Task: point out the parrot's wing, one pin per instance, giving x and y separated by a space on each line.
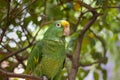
34 58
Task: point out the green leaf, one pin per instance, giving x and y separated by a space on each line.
96 55
96 76
100 2
53 11
104 74
19 33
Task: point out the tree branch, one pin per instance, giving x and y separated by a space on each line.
10 74
14 53
76 57
87 6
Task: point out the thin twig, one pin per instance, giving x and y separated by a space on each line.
61 3
3 52
104 52
78 21
45 6
87 6
90 64
19 59
8 10
7 21
108 7
69 56
30 3
5 47
102 42
24 31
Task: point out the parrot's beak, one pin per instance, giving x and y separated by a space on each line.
66 30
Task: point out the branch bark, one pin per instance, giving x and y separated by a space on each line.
10 74
14 53
76 57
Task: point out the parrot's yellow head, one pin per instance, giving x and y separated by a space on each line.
65 23
66 26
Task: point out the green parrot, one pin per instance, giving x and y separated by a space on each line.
48 55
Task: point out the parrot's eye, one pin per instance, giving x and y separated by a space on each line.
58 25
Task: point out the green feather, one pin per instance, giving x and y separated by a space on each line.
48 55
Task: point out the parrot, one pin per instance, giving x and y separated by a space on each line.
48 55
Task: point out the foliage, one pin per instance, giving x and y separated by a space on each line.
21 25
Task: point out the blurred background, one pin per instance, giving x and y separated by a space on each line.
21 25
